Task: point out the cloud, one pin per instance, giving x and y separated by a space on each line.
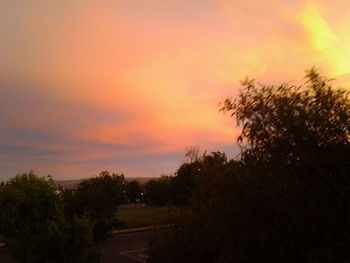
87 83
22 150
329 43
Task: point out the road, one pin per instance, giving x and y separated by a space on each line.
122 248
125 248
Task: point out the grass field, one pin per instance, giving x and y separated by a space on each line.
140 216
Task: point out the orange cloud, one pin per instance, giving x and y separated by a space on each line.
148 75
332 44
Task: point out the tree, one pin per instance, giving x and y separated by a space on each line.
98 198
292 123
192 153
296 143
33 223
195 176
287 197
194 226
184 183
157 191
134 192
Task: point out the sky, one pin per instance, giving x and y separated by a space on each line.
127 85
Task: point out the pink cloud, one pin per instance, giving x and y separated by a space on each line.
148 75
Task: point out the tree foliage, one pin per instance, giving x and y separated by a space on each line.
134 192
192 153
287 197
157 191
34 226
98 199
291 123
192 177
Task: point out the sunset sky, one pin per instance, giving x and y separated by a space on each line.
127 85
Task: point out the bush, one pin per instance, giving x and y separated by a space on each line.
34 227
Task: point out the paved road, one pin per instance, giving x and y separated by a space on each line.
125 248
122 248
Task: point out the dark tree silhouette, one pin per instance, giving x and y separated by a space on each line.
133 192
98 198
287 197
289 123
157 191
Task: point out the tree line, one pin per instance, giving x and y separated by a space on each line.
41 221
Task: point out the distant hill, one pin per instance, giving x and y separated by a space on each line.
69 184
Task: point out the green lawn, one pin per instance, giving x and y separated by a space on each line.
140 216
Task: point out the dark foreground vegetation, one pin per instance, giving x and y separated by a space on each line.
41 221
285 198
